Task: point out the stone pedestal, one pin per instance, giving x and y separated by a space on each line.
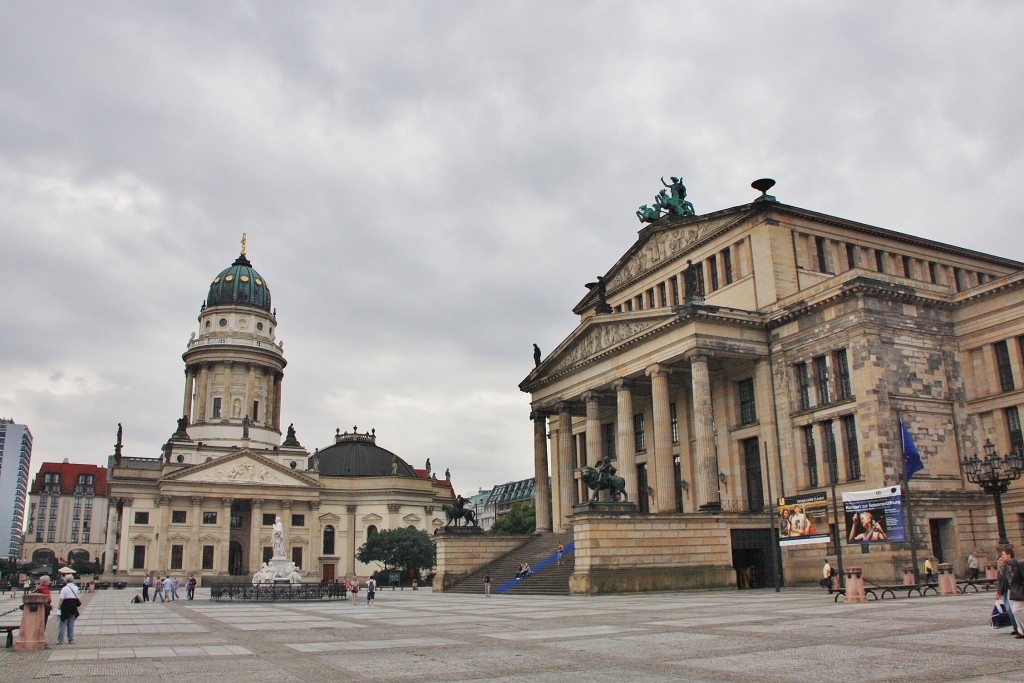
458 531
991 571
908 576
947 580
32 634
606 506
854 586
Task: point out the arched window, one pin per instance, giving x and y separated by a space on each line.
328 540
44 556
413 527
78 556
371 530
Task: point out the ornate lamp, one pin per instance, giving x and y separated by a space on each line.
994 474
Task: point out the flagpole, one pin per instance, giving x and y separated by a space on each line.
908 515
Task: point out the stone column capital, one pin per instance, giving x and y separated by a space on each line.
539 414
697 356
313 504
227 502
163 500
622 384
657 370
257 503
394 507
351 509
126 502
197 500
286 504
429 509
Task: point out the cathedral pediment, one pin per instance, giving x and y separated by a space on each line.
596 338
243 468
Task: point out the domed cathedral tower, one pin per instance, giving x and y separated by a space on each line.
233 370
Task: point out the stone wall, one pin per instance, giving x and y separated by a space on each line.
460 556
626 552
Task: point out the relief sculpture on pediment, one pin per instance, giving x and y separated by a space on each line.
247 472
660 247
601 338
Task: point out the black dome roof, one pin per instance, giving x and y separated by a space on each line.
358 455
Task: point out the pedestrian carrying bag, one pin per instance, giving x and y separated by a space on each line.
1000 619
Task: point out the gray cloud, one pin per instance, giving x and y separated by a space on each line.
426 187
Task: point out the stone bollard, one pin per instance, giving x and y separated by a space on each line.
908 576
947 580
991 571
32 633
854 587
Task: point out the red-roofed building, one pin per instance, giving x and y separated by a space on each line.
67 514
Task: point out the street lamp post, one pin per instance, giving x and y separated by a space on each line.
994 474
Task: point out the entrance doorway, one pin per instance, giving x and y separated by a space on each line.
941 531
235 559
328 572
642 501
751 557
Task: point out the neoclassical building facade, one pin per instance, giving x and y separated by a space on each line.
207 505
732 358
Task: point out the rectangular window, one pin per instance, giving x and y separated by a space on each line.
812 456
674 288
824 380
650 298
713 269
957 277
177 553
608 439
139 557
842 365
298 520
748 409
142 518
85 537
933 273
1003 363
268 518
1013 426
851 256
178 517
674 422
752 465
677 470
216 406
207 557
819 248
727 265
74 537
906 267
297 557
852 452
268 553
639 438
803 377
255 411
236 520
879 261
662 292
209 518
830 451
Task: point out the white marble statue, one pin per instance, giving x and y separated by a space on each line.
278 538
266 574
291 572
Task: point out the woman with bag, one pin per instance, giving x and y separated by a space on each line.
68 606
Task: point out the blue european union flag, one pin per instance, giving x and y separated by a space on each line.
911 456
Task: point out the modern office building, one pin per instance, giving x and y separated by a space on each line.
15 456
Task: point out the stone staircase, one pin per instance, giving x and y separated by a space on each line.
548 578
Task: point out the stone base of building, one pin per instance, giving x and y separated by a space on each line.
459 531
606 506
636 579
458 556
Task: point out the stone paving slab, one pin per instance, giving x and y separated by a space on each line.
417 637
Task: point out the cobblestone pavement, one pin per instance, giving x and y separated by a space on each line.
412 636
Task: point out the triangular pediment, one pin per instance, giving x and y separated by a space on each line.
329 518
371 519
242 468
599 335
412 519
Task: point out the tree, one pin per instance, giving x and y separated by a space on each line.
408 549
521 519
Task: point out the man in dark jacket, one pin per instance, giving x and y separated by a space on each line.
1010 585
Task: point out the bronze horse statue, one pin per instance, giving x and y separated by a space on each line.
455 513
616 486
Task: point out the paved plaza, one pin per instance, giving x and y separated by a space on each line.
412 636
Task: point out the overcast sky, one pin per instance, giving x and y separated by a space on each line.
427 186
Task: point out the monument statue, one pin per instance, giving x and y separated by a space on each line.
603 478
458 510
536 355
602 294
692 283
278 538
245 427
672 201
447 474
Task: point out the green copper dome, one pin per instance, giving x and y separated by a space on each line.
239 285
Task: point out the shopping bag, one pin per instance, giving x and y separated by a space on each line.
1000 619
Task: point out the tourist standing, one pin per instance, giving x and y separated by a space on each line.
487 584
558 556
972 566
158 589
929 569
371 591
826 575
174 587
147 581
354 589
68 605
43 588
190 587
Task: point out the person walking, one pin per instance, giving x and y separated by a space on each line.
1003 588
158 589
558 556
174 587
826 575
190 587
1015 588
147 581
371 591
487 584
68 606
972 566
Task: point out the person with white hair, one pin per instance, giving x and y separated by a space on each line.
68 606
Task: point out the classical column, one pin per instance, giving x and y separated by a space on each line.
225 562
286 519
125 558
350 541
624 442
250 393
163 510
255 524
108 560
593 428
203 391
542 496
566 480
706 492
277 402
315 542
186 408
271 408
393 510
196 516
664 467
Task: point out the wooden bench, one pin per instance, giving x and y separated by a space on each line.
971 585
10 633
841 593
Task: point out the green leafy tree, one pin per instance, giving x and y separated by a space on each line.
521 519
409 549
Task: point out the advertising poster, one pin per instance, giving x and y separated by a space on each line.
874 516
804 519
